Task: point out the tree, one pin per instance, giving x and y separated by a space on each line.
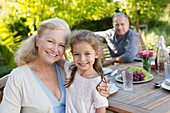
22 17
142 11
75 12
7 49
72 11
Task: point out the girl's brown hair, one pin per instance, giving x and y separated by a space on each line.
89 37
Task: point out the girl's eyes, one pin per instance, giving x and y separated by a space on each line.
87 53
79 54
76 54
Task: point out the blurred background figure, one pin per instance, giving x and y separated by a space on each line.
123 43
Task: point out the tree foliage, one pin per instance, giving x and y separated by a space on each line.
142 11
72 11
7 49
24 16
20 18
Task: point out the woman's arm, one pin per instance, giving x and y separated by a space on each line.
11 102
101 110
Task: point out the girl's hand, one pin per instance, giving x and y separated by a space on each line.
104 88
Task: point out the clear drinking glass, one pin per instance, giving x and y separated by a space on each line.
127 80
167 70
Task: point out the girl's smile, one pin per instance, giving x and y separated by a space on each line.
84 56
83 64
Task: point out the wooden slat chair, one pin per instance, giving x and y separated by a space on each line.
1 95
3 81
142 45
106 53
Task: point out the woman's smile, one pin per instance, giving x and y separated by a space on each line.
51 54
51 45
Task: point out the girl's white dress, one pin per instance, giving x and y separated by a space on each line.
82 96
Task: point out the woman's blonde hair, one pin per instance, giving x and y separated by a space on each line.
78 36
28 51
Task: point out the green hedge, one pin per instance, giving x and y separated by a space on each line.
4 69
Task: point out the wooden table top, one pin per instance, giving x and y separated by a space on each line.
144 98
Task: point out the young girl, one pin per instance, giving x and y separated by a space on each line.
84 75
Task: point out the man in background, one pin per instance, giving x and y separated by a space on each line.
123 43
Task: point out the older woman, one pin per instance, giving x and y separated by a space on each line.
36 86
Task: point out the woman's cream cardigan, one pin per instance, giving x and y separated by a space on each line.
23 94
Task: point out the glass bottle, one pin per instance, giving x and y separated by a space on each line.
157 44
156 59
169 58
162 56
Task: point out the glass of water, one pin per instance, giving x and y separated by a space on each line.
127 80
167 70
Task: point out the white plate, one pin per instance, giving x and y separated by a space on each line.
117 78
113 88
138 59
165 86
107 70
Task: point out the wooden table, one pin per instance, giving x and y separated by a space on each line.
144 98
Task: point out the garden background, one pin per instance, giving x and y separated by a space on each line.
19 19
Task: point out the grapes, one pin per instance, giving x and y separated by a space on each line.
139 74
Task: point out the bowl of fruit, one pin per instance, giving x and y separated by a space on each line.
140 75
